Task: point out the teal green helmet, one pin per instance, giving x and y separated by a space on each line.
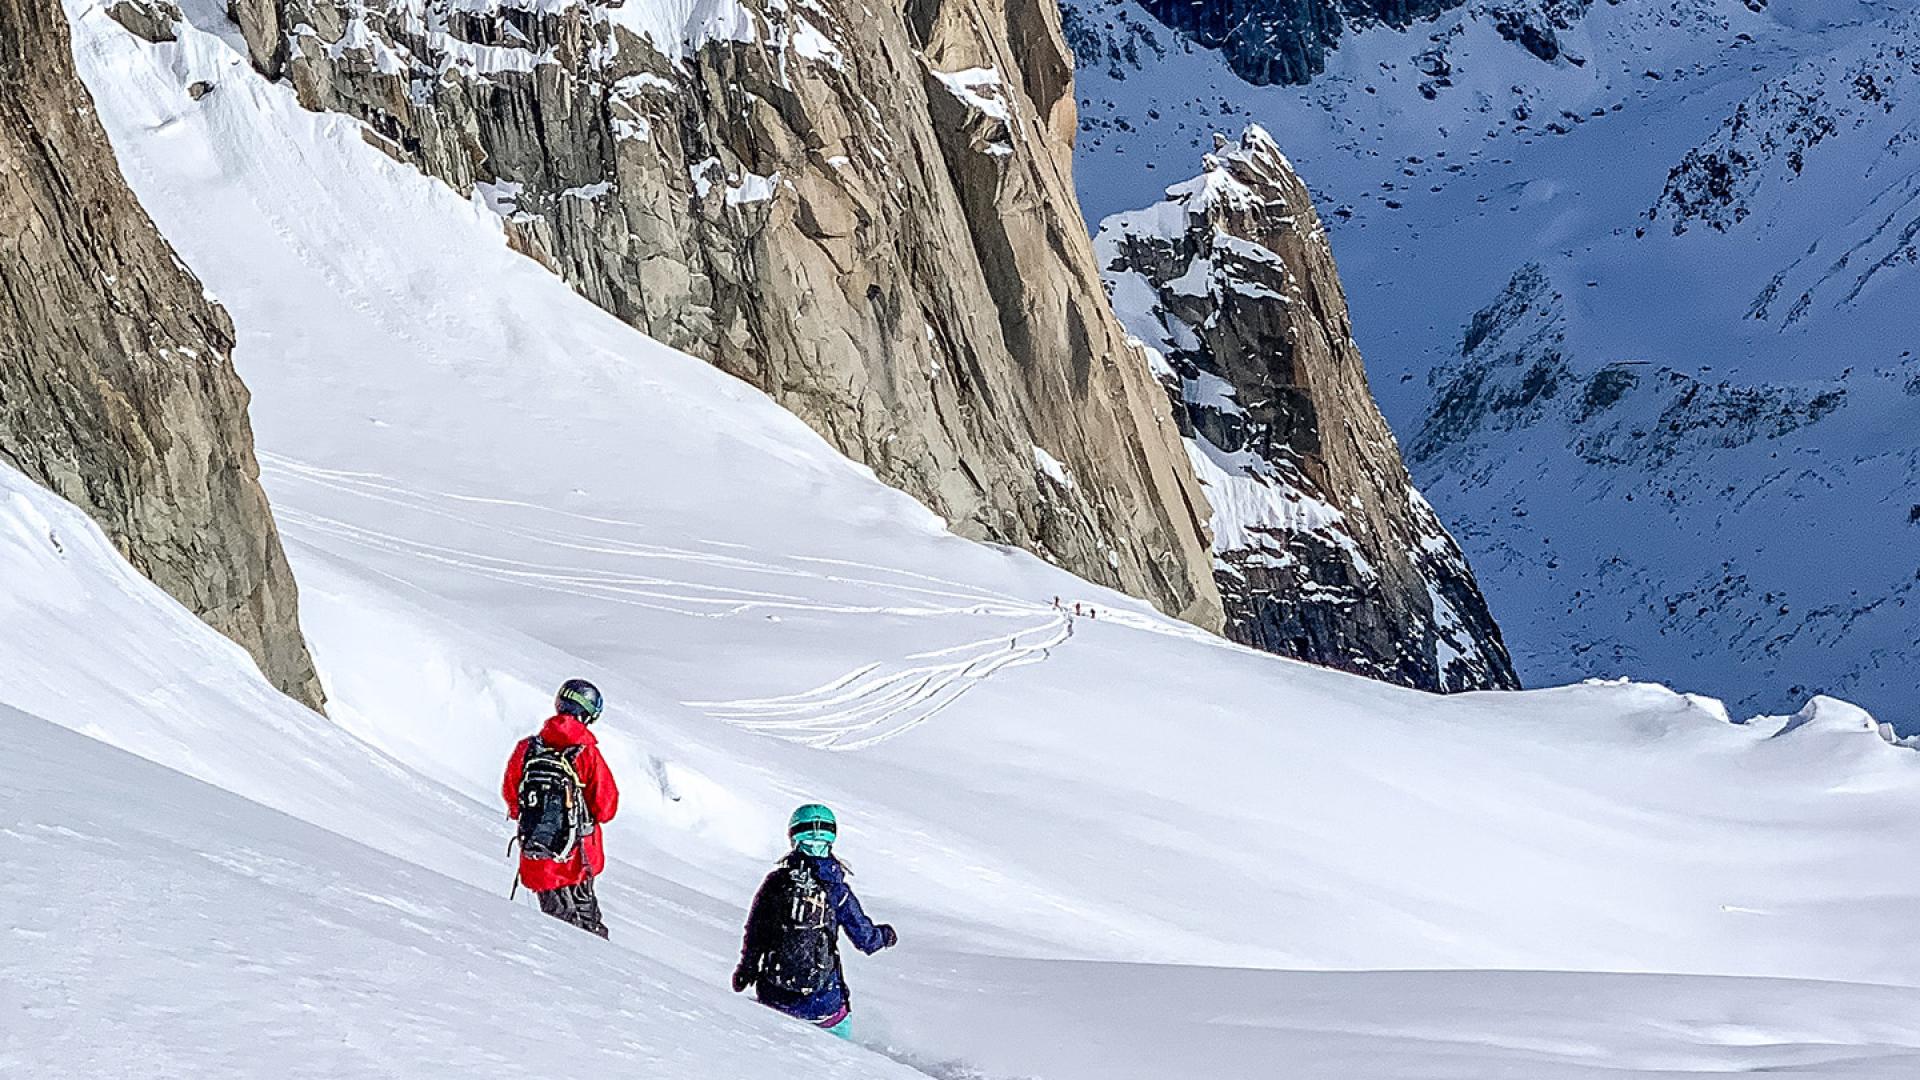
812 829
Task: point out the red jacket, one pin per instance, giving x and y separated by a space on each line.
603 801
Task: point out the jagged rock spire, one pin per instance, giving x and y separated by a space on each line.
1324 550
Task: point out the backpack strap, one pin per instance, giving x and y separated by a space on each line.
571 756
563 756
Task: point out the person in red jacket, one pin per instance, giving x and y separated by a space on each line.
565 885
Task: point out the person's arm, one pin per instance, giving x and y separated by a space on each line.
867 936
603 795
753 943
510 785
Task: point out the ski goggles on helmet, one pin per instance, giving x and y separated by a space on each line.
812 830
581 704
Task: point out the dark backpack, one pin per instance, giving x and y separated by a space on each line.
553 803
804 956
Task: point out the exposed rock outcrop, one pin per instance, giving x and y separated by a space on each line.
1513 373
1284 41
1856 104
1325 550
116 386
865 212
1288 41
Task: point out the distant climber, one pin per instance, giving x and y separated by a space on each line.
560 791
791 955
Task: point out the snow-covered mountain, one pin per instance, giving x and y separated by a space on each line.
1637 307
1115 846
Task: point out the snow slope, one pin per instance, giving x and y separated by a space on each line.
195 933
221 939
1693 460
1114 847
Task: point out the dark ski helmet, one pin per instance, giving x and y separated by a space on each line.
579 698
812 829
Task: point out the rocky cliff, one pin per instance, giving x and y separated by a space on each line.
1325 551
1289 41
1283 41
867 213
116 387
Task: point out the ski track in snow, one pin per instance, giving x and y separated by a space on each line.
862 708
872 704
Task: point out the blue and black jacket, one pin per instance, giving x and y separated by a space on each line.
764 926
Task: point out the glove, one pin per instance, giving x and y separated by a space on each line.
742 978
888 939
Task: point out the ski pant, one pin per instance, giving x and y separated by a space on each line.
575 904
840 1026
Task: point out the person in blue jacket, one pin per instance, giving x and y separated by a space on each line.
791 953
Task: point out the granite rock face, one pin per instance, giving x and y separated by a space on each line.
865 212
1325 551
117 390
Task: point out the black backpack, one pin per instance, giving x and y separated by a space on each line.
553 803
804 957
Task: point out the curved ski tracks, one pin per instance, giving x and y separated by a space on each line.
863 708
878 702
